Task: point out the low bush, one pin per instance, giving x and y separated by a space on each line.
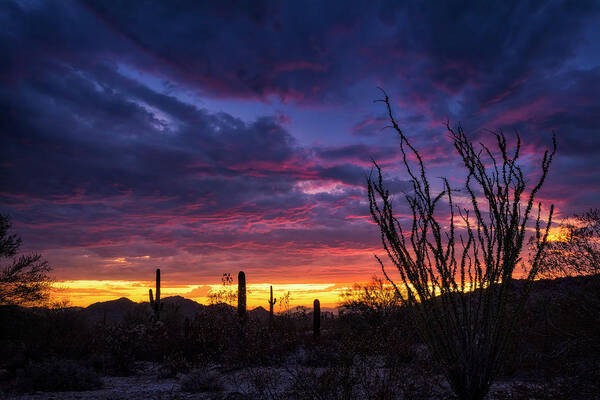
202 380
58 376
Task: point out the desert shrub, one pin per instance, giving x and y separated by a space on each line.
14 355
58 376
211 334
361 331
559 337
172 365
365 378
117 347
582 384
338 382
202 380
66 334
378 382
319 355
265 383
34 334
376 300
268 346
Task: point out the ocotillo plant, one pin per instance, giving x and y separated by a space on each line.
242 295
156 304
272 302
457 266
316 318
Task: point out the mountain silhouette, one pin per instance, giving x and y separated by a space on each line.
116 311
111 311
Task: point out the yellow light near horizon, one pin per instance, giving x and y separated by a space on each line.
85 292
558 235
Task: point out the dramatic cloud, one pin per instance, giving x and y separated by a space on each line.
211 137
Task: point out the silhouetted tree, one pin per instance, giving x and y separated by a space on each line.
376 296
285 303
225 294
456 267
24 279
576 248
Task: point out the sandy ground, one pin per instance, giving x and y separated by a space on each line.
145 385
116 388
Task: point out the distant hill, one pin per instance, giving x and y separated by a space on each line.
111 311
259 313
186 307
115 311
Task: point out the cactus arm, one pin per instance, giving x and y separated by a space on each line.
272 302
155 303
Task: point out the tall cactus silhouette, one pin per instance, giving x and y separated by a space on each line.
316 318
272 302
242 314
242 294
156 304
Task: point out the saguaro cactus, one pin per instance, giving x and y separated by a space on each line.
156 304
272 302
242 294
316 318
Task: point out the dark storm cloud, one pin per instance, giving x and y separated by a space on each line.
309 51
101 160
75 132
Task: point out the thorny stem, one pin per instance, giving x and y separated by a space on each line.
460 290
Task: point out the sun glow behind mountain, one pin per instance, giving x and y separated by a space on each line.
85 292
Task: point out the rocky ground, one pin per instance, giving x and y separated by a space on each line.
116 388
144 386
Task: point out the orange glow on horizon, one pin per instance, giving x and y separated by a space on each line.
558 234
82 293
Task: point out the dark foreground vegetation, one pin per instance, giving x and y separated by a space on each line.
368 351
455 324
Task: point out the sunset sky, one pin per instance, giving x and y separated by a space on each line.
211 137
